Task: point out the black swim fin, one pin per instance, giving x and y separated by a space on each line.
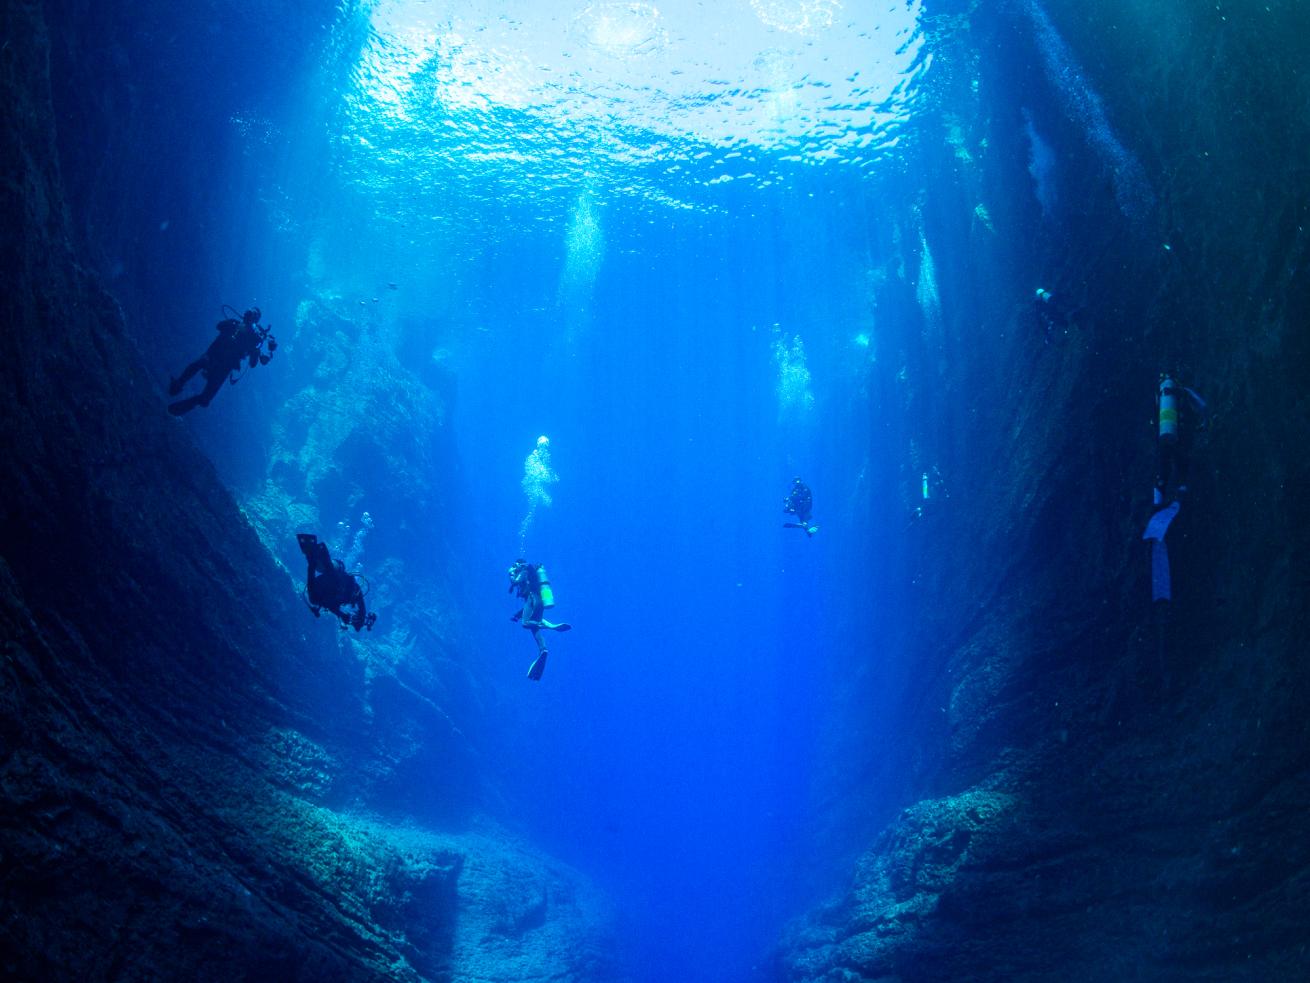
538 667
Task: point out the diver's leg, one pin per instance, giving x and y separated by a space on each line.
539 664
213 383
320 559
184 405
1163 467
1182 465
175 385
314 594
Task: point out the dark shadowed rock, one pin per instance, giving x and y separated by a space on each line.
180 755
1096 789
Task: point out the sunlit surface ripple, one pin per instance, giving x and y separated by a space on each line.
658 101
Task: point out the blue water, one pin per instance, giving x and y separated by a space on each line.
652 236
670 748
634 237
694 248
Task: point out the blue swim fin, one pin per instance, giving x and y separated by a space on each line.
1159 524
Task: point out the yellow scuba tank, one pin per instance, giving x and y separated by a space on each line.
1168 410
547 595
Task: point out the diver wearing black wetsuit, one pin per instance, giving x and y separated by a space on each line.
237 342
328 585
800 503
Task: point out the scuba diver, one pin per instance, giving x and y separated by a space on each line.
238 341
931 490
529 582
800 503
1052 313
328 585
1180 414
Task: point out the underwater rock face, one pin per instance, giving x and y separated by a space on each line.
1081 785
179 754
363 405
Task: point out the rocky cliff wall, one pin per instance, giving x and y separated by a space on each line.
185 765
1089 787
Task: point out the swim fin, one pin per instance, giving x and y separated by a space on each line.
1159 524
538 667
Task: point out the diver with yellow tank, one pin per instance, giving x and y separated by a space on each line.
1180 413
530 582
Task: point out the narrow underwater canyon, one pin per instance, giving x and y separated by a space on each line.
1027 769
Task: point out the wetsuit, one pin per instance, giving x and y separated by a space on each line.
237 342
800 503
525 582
1174 447
328 585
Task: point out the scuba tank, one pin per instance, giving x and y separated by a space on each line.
543 586
1168 401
